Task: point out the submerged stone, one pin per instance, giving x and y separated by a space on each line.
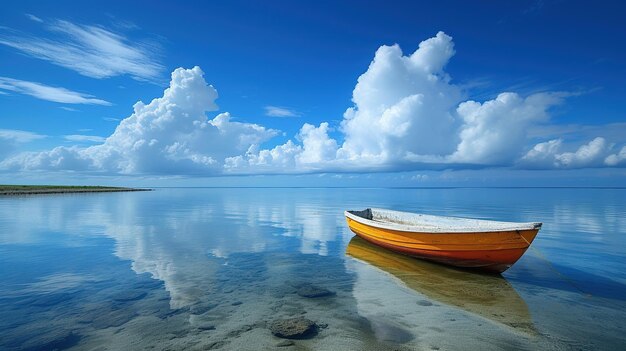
293 328
312 291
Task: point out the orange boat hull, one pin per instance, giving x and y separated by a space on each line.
489 251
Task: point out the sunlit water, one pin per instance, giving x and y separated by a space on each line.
210 268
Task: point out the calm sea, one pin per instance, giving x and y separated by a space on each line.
212 268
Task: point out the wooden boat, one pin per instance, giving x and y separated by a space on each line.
488 296
463 242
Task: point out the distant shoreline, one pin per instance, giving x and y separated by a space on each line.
9 190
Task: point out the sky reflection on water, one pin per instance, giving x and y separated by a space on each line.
200 268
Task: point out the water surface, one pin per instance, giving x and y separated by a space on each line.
209 268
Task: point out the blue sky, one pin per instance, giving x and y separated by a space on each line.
313 93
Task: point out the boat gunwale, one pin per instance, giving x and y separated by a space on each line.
443 229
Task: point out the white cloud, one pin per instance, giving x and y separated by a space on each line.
84 138
317 153
595 153
10 138
46 92
542 155
407 115
280 159
616 159
170 135
495 132
92 51
588 155
406 111
403 108
19 136
276 111
317 147
33 17
59 158
403 105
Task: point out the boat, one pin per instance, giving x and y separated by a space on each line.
491 297
487 245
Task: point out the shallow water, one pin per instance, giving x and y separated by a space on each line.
208 268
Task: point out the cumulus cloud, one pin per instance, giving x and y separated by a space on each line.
280 159
403 106
495 132
407 114
542 155
46 92
617 158
276 111
317 147
595 153
318 152
588 155
170 135
92 51
60 158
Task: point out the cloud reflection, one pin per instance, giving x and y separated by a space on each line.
182 243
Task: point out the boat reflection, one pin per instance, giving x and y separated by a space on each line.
488 296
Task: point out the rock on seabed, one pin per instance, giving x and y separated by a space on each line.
293 328
312 291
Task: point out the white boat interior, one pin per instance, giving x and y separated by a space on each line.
423 223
